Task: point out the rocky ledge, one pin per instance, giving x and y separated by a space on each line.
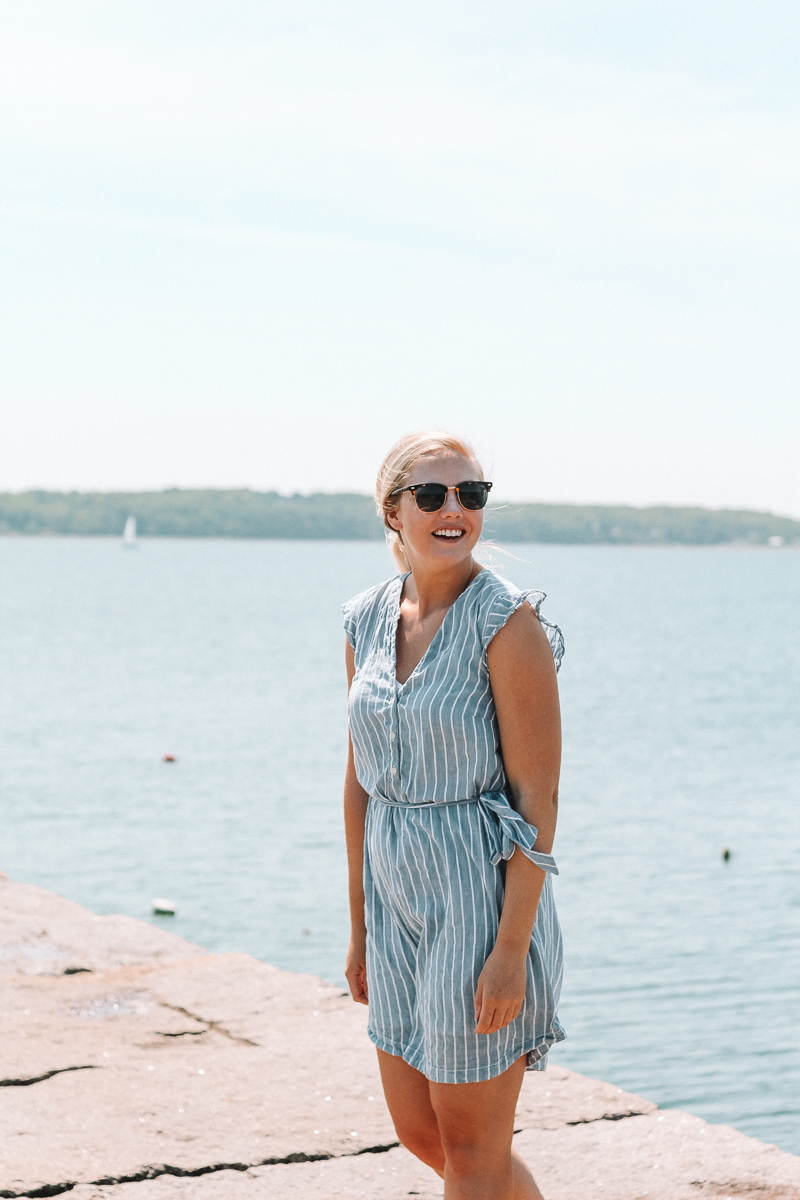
136 1066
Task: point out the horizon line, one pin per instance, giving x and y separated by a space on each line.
494 505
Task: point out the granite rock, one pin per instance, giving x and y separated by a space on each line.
659 1156
42 933
164 1072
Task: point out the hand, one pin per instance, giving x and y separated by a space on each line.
355 970
500 993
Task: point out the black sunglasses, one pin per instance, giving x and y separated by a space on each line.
472 494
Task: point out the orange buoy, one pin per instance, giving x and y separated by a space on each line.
168 758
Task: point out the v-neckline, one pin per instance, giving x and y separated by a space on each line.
395 626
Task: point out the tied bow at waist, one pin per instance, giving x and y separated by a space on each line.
505 827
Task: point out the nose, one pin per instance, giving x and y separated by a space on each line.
451 504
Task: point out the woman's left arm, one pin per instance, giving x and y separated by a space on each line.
525 693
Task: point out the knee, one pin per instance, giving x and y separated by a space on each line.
423 1142
468 1156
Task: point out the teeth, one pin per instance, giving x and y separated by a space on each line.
448 533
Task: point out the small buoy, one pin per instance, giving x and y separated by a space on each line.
164 908
168 758
305 932
726 854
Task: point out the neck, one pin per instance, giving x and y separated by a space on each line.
435 588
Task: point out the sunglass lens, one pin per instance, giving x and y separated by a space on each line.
473 495
430 496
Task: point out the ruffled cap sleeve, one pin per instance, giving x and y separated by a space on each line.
504 604
350 613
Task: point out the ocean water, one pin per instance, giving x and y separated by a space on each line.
681 701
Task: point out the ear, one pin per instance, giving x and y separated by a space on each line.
394 521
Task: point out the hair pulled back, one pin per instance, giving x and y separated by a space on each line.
396 468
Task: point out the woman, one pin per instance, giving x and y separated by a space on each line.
455 940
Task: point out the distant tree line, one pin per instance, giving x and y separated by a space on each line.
242 513
602 523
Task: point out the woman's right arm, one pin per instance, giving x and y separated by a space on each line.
355 815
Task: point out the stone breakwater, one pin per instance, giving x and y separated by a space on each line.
136 1066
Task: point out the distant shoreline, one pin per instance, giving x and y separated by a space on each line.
762 547
348 516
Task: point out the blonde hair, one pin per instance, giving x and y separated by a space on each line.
396 468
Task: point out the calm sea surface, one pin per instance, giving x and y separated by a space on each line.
681 698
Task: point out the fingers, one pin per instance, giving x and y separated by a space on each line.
491 1014
492 1017
499 992
357 981
358 993
478 1002
485 1021
487 1012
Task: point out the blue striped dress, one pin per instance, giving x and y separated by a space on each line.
439 827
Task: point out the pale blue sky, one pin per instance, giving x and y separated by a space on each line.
252 243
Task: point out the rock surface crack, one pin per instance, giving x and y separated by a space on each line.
299 1156
618 1116
216 1025
26 1080
183 1033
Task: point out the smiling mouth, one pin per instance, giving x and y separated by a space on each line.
450 535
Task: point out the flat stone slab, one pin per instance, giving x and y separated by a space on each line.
661 1156
557 1097
148 1073
42 933
390 1176
217 1077
667 1155
217 1059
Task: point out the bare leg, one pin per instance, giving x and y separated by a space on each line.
407 1093
462 1131
476 1125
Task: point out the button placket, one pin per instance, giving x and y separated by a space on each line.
396 740
394 709
395 735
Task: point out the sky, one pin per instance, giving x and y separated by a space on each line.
252 242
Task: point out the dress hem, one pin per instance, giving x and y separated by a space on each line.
475 1074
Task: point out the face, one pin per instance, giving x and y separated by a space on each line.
447 537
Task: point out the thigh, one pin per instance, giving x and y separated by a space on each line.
478 1114
408 1096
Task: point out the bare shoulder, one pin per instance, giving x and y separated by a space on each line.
522 632
520 654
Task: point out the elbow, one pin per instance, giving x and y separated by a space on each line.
539 806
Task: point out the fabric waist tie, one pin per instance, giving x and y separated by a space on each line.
505 827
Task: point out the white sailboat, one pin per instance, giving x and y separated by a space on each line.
129 533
